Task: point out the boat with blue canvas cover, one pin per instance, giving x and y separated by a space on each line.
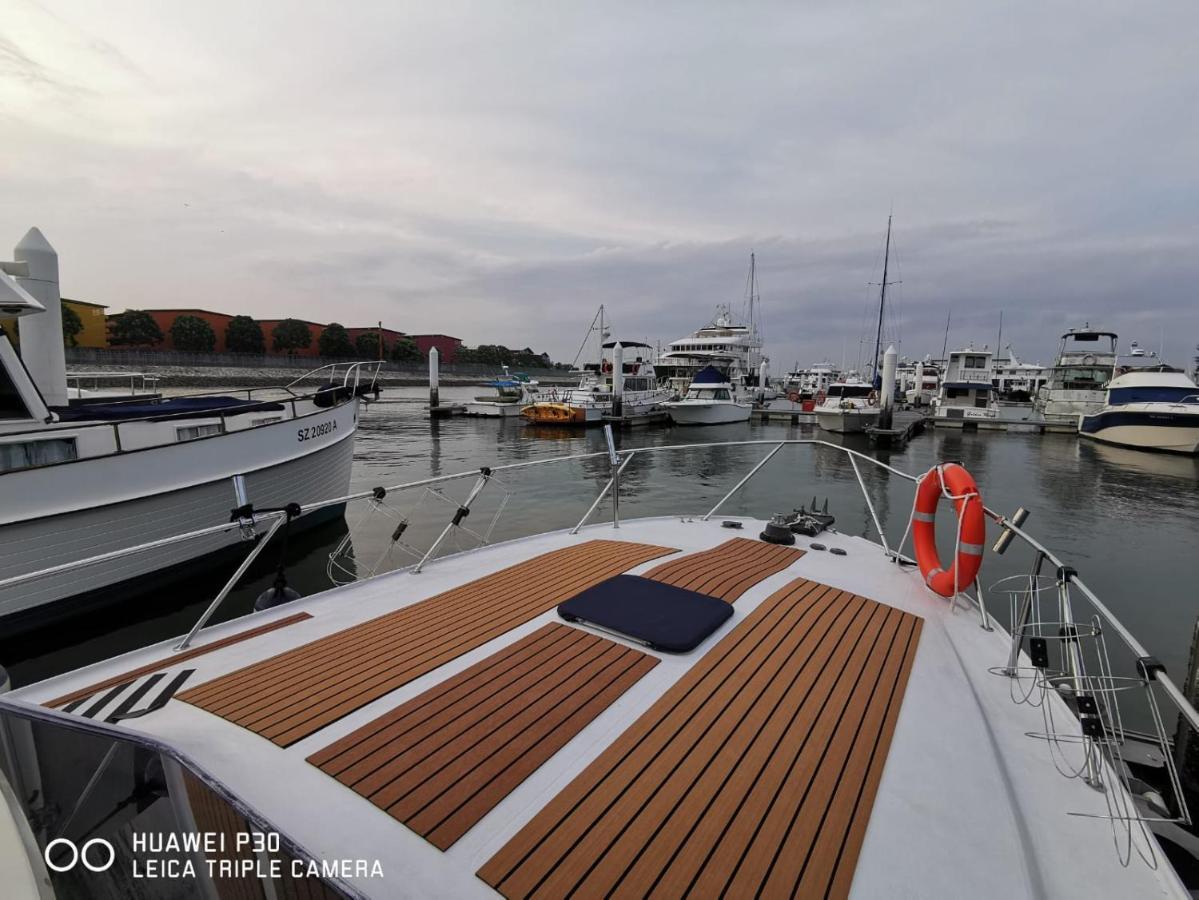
710 400
1149 409
512 391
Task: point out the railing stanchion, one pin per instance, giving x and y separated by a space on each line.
1022 617
870 505
614 463
462 513
232 582
740 484
602 494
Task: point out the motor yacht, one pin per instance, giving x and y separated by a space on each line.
709 400
966 398
1086 362
1153 408
698 704
82 479
850 406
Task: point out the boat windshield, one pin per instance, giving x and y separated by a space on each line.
1082 378
708 394
850 390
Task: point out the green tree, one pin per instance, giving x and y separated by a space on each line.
136 328
405 350
335 341
193 334
366 345
291 335
71 326
244 335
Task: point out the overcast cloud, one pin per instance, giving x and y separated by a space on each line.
495 171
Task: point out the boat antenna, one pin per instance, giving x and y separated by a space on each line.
999 340
882 302
945 345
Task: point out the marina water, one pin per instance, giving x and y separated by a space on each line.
1126 519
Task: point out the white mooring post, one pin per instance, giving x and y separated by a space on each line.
434 357
41 335
618 380
762 375
919 383
887 398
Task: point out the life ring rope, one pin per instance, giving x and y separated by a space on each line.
971 523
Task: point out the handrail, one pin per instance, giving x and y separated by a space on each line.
1173 692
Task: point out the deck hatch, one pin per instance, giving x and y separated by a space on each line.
755 774
292 695
444 759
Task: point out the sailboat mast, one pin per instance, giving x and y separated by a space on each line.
882 302
753 328
945 345
999 340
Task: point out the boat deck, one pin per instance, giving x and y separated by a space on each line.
840 735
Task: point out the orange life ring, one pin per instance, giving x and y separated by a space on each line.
606 366
793 396
957 482
872 398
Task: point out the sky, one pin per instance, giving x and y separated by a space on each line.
496 171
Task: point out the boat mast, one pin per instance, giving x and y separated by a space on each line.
882 302
945 344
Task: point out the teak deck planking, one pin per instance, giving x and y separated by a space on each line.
443 760
292 695
182 656
756 772
726 571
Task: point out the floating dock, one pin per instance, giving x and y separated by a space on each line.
445 410
657 417
905 424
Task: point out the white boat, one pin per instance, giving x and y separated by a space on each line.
849 407
709 401
919 383
1086 361
1015 381
597 392
966 396
1154 408
512 393
733 347
84 480
808 720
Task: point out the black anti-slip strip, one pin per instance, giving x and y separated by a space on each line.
105 700
75 704
129 702
160 701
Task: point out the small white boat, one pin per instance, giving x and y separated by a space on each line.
849 407
709 401
1148 409
594 397
512 392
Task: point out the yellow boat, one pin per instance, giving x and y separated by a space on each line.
555 414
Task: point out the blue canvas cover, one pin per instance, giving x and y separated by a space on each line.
662 616
710 375
178 408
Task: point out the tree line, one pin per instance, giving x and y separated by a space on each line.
244 335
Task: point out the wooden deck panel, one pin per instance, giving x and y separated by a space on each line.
213 815
290 696
756 771
728 570
443 760
182 656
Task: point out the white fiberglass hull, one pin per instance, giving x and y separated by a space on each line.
845 421
492 409
114 502
685 412
1172 430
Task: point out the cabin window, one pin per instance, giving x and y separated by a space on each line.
980 400
266 421
975 362
11 404
191 432
26 454
954 393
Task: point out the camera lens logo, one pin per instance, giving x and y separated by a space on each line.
92 854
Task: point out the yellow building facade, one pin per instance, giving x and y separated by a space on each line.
94 332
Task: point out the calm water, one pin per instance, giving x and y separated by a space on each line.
1128 521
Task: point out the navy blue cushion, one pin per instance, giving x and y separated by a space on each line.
658 615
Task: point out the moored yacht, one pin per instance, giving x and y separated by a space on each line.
599 387
1086 361
709 401
966 397
919 383
512 392
699 704
850 406
1154 408
84 479
1016 381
